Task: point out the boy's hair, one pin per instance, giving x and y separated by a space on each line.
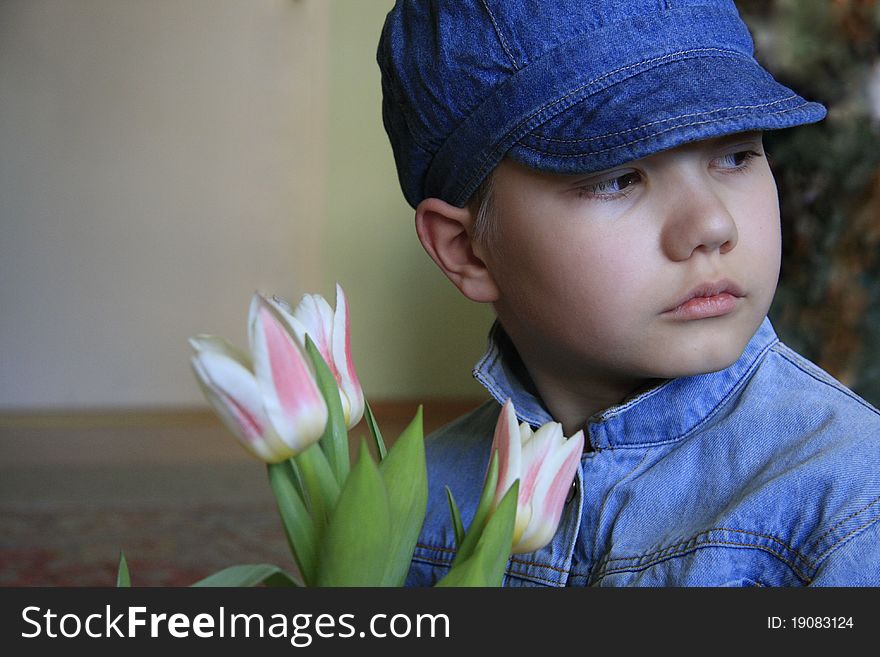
482 204
569 86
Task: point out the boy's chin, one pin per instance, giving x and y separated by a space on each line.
710 348
704 361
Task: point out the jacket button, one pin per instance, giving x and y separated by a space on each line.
572 491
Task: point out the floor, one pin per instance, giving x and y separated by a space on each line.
171 489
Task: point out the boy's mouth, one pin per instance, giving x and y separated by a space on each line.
707 300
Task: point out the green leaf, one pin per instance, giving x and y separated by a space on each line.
406 480
486 564
334 442
123 579
374 431
298 526
356 546
249 575
319 483
457 525
484 506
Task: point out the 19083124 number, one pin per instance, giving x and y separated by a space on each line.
821 622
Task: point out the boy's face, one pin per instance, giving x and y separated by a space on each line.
594 272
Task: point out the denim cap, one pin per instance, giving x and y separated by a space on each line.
566 86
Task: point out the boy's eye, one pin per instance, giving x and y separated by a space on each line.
611 188
738 160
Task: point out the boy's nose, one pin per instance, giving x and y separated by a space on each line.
698 221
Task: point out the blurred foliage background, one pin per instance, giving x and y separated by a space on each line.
827 305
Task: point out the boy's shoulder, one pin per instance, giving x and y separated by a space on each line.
827 461
808 377
801 401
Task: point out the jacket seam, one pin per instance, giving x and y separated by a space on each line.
635 568
438 548
657 553
849 517
535 578
535 564
855 531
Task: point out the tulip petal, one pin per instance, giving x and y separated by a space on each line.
256 304
285 315
551 490
316 316
215 343
234 394
344 364
329 330
313 316
290 395
507 442
535 452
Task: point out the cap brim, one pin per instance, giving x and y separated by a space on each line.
661 108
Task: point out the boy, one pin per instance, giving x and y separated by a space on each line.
595 170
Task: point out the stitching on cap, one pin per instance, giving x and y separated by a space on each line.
480 169
537 135
500 35
653 134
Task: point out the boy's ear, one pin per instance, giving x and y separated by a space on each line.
445 233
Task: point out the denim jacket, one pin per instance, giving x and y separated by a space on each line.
766 473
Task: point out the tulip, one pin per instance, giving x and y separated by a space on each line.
268 399
545 462
329 331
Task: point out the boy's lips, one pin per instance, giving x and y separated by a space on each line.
707 300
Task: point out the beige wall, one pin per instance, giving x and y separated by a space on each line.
163 159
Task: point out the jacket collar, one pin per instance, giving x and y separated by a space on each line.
665 413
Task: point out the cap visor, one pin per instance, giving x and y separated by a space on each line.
661 108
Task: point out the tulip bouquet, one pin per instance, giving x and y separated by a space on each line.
291 402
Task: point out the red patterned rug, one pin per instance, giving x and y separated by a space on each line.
50 545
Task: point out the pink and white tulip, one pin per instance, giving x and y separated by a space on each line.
268 399
545 462
329 331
